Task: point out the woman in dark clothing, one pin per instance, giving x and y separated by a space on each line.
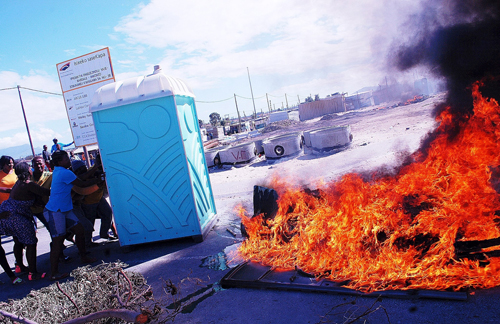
6 267
20 224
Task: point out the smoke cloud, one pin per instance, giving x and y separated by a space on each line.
460 42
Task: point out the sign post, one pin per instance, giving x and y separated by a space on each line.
80 78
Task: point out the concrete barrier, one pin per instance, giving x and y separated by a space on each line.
282 145
259 149
328 138
210 157
242 153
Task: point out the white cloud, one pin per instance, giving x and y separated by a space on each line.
206 42
126 62
113 37
40 108
70 52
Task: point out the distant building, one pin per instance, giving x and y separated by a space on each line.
329 105
388 93
215 132
421 87
359 100
277 116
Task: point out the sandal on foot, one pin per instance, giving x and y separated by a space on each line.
59 276
17 281
36 275
21 269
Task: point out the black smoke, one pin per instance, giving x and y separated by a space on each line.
460 42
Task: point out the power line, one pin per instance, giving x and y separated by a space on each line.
250 98
198 101
52 93
214 101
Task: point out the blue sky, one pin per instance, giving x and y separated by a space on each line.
297 48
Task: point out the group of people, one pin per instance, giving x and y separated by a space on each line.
65 196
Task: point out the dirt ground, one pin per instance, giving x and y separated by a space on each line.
381 136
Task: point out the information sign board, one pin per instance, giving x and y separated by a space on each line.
80 78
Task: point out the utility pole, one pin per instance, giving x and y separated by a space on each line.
251 91
268 104
286 101
298 99
239 118
26 121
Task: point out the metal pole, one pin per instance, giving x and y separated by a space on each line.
87 158
268 104
26 121
239 118
251 91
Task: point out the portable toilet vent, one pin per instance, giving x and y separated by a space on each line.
152 153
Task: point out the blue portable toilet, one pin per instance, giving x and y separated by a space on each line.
152 152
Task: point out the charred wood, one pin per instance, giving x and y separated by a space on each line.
475 246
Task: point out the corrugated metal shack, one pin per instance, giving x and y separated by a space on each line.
359 100
329 105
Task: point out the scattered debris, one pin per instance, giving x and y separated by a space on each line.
329 117
215 262
231 232
233 258
279 125
98 293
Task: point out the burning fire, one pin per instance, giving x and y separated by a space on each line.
398 232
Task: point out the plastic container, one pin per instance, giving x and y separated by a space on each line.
152 152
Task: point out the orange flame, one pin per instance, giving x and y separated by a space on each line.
397 232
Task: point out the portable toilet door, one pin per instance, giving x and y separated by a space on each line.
152 153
